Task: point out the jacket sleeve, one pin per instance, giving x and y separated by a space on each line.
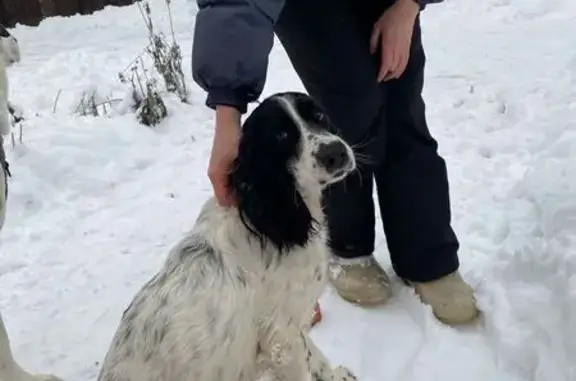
232 41
424 3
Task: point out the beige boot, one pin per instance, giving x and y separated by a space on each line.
360 280
451 299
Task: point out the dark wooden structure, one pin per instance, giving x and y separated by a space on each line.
32 12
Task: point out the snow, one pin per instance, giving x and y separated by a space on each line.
96 202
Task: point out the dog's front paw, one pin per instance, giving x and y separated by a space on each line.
342 373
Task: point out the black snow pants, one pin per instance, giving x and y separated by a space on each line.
327 42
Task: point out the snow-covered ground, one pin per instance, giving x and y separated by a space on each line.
95 203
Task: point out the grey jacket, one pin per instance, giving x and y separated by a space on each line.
232 41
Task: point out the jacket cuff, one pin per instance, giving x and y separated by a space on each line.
226 97
424 3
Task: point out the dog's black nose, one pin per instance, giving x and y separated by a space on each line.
332 156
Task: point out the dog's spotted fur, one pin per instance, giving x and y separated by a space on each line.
235 296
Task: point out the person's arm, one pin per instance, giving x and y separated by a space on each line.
232 41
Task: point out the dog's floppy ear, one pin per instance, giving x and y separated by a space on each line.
268 200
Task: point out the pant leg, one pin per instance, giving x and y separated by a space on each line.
412 182
327 42
332 59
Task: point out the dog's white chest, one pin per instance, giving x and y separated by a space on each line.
290 292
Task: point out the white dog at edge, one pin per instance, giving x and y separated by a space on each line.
9 54
235 296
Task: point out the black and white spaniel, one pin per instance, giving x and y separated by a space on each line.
235 296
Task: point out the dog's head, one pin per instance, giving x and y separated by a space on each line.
9 48
288 154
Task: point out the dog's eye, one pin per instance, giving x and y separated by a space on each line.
282 135
320 116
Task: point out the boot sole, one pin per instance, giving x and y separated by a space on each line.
462 320
370 302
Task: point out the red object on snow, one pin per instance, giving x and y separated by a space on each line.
317 316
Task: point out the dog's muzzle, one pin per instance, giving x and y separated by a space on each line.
333 156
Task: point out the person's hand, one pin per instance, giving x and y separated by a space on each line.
394 32
224 151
